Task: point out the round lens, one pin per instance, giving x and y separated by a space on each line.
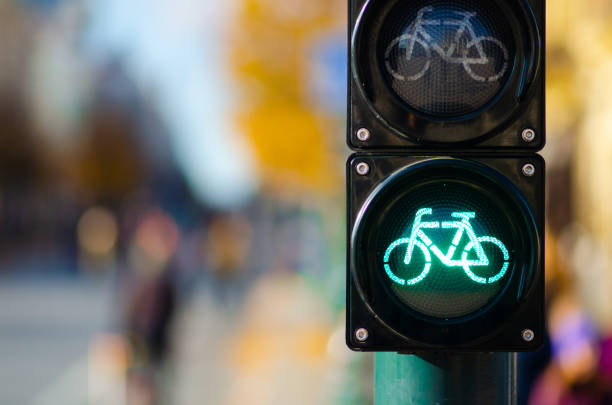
445 249
447 239
446 58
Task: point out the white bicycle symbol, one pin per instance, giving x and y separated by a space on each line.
455 53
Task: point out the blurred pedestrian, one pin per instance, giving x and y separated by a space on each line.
150 305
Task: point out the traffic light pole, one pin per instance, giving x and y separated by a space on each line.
445 379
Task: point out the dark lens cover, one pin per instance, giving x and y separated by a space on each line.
446 58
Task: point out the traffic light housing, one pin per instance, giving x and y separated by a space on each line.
446 74
445 190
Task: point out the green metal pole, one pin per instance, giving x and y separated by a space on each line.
445 379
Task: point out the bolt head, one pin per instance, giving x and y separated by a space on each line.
528 135
529 170
528 335
363 134
362 334
362 168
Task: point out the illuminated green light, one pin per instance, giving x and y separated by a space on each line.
419 239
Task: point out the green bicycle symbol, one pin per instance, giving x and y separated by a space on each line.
419 239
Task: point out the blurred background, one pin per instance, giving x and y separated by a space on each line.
172 205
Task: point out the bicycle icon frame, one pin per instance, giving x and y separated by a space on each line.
419 239
419 35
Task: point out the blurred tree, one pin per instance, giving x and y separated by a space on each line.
587 34
20 162
270 59
111 164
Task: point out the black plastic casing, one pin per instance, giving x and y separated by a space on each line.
529 310
400 136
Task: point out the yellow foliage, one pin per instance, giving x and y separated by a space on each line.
289 144
270 58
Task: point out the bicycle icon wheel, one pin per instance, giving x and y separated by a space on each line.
502 271
395 277
484 68
411 63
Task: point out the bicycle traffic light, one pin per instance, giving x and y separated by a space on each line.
445 190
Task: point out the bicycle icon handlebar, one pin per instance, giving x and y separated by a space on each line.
470 52
419 239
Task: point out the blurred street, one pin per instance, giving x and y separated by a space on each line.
47 345
45 338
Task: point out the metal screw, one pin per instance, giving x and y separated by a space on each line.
529 170
362 168
528 335
363 135
528 135
362 334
